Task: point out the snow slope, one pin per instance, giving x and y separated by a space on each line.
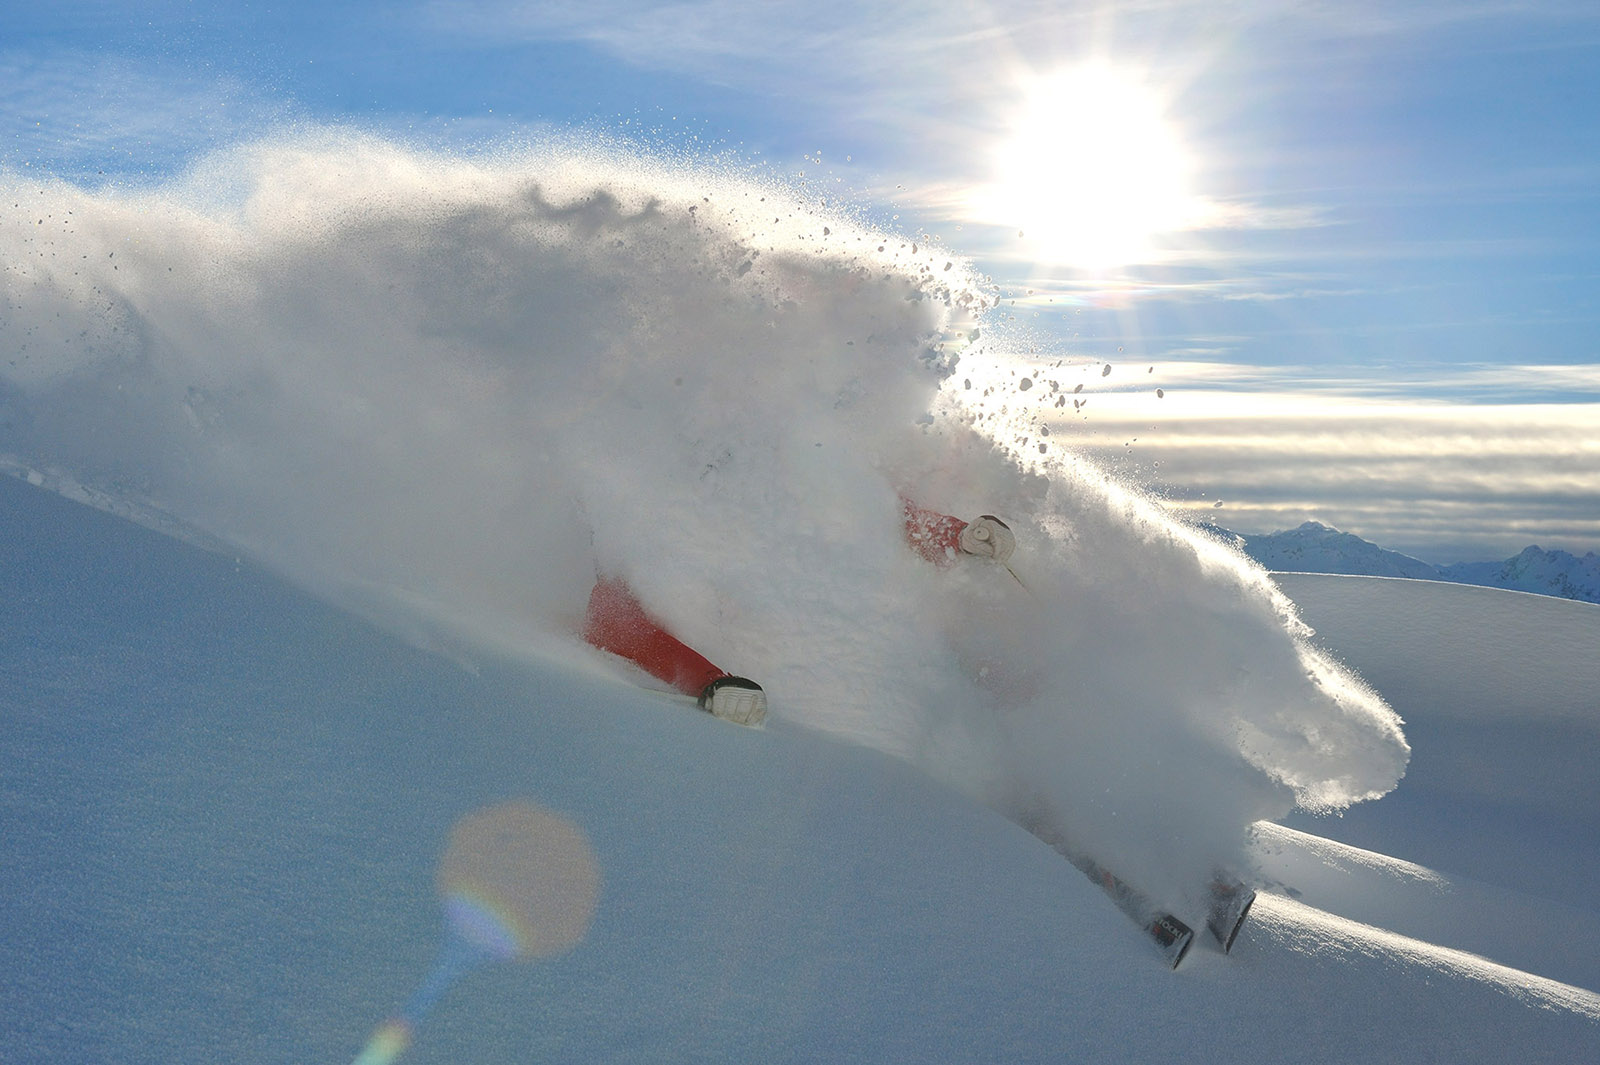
224 803
1501 695
442 393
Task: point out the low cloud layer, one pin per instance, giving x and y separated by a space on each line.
1488 461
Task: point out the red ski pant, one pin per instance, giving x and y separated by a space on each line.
617 622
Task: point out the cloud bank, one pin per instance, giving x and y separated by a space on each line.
1460 464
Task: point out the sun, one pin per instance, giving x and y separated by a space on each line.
1090 171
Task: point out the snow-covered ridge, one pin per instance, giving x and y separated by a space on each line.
1558 573
1317 548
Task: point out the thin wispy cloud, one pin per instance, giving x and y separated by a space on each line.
1446 464
724 41
1499 384
1375 18
947 202
73 111
676 32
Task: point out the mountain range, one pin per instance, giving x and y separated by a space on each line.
1317 548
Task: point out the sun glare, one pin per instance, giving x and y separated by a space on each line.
1091 171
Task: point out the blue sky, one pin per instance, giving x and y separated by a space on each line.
1377 297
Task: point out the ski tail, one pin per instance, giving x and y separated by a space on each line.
1172 936
1231 900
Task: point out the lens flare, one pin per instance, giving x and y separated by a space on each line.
516 882
387 1043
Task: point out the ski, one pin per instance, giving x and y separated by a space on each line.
1172 937
1229 898
1230 902
1230 905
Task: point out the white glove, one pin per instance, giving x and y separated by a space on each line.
988 537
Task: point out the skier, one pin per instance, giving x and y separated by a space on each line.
617 622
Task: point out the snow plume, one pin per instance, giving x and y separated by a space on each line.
1171 697
449 391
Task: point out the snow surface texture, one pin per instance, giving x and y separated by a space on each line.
225 803
447 392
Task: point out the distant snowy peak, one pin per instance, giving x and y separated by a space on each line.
1316 548
1558 573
